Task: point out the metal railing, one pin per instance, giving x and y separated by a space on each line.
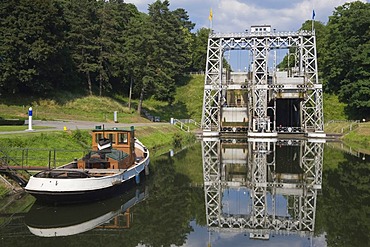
184 124
35 157
352 125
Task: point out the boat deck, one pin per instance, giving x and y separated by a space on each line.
93 170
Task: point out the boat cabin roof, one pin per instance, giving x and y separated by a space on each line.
114 129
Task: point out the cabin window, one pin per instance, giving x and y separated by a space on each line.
98 136
122 138
112 138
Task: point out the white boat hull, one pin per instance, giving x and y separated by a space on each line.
71 190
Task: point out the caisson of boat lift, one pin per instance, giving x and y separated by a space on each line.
263 100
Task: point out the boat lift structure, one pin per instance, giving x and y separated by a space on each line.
263 102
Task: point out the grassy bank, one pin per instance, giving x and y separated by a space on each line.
89 108
359 138
187 103
354 134
64 105
21 127
333 109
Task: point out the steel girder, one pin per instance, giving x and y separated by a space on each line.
312 105
212 87
258 105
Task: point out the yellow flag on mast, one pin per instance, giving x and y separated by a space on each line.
210 15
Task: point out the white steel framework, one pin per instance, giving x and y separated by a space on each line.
261 90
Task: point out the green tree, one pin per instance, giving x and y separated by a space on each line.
199 49
83 38
164 49
138 50
170 47
32 50
346 60
184 40
109 30
115 18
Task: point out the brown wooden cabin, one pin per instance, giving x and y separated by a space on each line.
120 156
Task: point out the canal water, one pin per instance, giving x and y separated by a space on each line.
229 192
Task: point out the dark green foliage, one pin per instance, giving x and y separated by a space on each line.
115 19
346 60
199 49
94 47
170 47
32 49
83 38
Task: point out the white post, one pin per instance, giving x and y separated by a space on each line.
115 117
30 118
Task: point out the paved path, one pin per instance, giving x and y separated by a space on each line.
73 125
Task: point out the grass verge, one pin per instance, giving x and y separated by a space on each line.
88 108
21 127
356 135
359 138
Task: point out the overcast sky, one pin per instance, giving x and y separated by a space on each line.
238 15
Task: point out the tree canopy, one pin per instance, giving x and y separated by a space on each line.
346 57
97 47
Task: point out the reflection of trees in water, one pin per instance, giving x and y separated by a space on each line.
344 207
163 219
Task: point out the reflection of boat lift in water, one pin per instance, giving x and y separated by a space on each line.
269 179
112 214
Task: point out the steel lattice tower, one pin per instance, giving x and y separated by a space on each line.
262 91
